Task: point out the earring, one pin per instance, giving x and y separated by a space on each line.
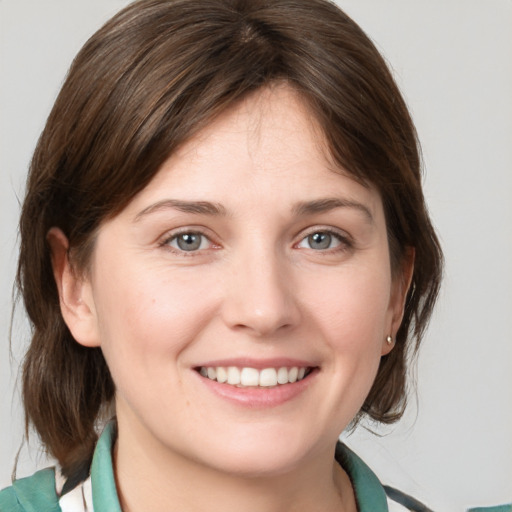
389 340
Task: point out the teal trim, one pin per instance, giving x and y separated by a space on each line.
370 494
104 494
9 501
499 508
35 493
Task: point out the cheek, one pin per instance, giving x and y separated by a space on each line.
352 306
349 311
352 315
146 314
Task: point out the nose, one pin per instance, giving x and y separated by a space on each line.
259 297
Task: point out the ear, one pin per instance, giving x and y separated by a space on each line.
75 292
400 287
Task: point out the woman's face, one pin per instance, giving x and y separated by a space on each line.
249 258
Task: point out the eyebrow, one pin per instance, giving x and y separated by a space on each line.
302 208
331 203
196 207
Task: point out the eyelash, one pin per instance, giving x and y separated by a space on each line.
344 241
166 242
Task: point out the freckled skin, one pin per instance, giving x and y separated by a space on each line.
256 288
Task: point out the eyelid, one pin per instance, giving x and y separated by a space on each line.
164 240
340 233
345 238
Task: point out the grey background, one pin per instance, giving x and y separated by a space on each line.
453 60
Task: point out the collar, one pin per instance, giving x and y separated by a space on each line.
370 495
104 493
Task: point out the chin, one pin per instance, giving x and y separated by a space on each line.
247 464
258 455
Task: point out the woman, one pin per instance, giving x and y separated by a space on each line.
225 248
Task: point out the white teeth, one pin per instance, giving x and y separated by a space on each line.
233 375
282 376
251 377
222 374
268 377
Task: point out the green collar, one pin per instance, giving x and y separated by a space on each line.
32 494
369 492
104 493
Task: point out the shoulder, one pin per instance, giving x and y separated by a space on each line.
8 501
32 494
371 495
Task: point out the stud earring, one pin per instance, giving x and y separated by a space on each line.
389 340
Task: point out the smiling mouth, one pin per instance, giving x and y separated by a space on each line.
251 377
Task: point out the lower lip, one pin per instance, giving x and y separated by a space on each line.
259 397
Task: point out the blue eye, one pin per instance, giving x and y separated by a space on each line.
188 242
321 241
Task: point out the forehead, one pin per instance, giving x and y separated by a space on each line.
268 145
273 116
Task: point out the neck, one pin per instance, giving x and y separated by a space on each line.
149 477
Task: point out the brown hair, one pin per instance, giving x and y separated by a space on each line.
154 75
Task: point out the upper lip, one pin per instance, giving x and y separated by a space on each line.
259 364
